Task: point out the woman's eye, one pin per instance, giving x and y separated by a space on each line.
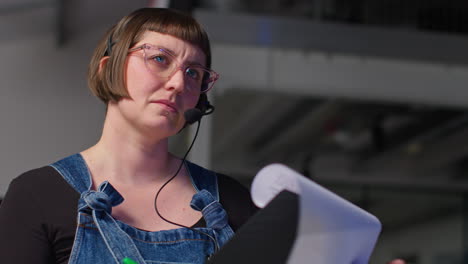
159 59
193 73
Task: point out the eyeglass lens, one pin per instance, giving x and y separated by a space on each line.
163 64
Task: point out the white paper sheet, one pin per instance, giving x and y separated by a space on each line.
331 230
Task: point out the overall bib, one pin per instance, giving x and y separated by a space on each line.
101 239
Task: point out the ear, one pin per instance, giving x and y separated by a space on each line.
102 63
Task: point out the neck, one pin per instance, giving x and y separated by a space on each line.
131 157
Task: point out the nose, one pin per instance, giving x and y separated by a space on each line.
176 81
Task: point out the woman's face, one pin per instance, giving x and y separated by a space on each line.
158 103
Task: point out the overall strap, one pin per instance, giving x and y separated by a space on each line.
99 204
203 179
206 200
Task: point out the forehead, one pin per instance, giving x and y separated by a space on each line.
181 48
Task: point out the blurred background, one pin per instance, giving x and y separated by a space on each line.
366 97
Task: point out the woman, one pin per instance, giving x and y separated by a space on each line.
133 195
150 69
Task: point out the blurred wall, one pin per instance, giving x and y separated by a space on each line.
46 110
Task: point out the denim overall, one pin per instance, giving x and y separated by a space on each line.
101 239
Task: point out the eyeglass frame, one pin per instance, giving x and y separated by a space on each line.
214 76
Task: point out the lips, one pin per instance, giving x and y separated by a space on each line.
169 105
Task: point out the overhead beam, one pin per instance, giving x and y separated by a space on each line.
334 38
316 74
338 60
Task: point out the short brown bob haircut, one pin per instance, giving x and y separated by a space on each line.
109 83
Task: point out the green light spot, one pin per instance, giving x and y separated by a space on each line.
128 261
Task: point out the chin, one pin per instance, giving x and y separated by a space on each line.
166 127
